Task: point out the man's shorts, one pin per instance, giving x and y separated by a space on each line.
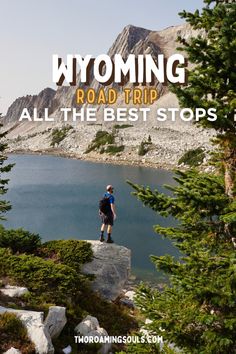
107 219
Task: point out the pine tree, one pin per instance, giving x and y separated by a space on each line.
4 168
211 84
197 309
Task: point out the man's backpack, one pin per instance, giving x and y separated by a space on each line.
104 205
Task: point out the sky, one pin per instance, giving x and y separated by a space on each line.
31 31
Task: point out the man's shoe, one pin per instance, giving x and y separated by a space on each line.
101 239
109 240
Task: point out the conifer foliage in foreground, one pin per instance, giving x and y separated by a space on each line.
198 309
4 168
211 83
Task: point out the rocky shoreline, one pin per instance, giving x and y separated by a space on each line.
95 159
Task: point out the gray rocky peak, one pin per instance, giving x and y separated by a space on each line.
127 39
41 101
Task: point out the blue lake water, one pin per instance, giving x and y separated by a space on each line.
58 198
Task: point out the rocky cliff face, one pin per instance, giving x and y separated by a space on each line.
41 101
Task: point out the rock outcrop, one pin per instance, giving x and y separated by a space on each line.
128 299
111 266
33 321
14 291
13 351
39 332
89 327
41 101
55 321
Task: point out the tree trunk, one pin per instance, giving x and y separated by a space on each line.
229 162
229 180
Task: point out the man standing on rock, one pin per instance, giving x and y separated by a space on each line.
107 213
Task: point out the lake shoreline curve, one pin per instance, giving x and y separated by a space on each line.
96 158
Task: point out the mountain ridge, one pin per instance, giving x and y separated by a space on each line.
169 140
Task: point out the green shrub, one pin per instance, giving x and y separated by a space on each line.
59 134
44 278
102 138
14 334
143 148
72 253
144 348
122 126
113 149
56 277
19 240
95 124
10 323
193 157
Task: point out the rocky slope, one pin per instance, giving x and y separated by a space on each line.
41 101
110 266
169 139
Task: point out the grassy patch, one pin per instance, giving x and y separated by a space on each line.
193 157
14 334
72 253
104 142
112 149
102 138
122 126
59 134
94 124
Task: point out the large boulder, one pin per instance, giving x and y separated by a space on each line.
130 294
12 351
37 333
89 327
14 291
55 321
67 350
128 299
88 324
111 266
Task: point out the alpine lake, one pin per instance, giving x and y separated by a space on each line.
58 198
